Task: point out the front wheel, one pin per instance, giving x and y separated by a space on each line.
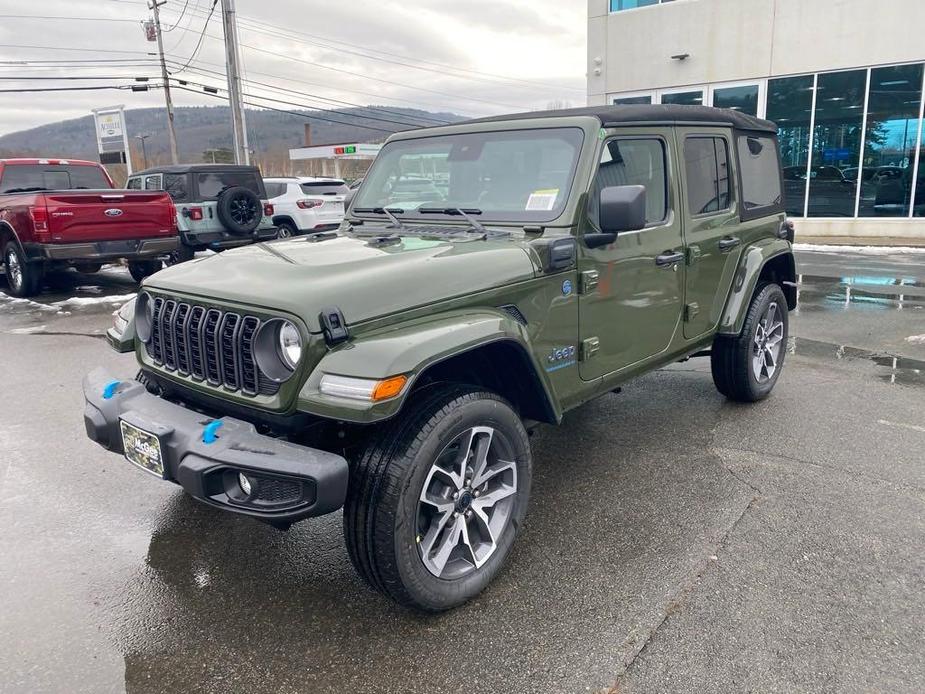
435 502
746 367
286 230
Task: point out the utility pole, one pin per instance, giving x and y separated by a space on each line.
171 133
144 153
235 94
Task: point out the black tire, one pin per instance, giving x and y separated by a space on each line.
381 516
141 269
239 210
183 254
88 268
732 357
23 279
286 230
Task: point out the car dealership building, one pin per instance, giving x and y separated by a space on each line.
843 79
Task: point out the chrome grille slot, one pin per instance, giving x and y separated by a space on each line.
208 344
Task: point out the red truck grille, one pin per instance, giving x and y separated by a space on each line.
209 345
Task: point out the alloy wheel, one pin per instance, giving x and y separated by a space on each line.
466 503
769 335
13 270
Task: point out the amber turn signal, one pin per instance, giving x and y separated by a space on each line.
389 388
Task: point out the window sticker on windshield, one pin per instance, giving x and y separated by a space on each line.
542 200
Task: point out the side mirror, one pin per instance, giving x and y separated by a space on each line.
622 208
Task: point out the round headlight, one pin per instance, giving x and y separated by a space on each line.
144 316
290 344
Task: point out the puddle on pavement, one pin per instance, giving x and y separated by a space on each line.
892 369
861 293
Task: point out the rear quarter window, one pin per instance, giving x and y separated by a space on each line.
760 173
212 184
177 187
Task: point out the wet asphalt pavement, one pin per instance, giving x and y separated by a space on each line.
675 542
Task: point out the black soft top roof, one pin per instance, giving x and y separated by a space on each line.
645 113
196 168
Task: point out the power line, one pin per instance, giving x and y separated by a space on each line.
73 89
81 50
202 35
73 19
179 19
324 42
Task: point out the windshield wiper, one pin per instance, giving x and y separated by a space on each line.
458 212
390 213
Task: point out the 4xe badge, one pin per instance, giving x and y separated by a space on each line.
567 287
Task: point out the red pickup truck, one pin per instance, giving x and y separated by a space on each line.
56 213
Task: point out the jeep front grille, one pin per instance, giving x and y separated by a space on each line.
209 345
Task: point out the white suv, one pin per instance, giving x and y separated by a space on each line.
306 205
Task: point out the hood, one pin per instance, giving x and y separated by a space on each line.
365 281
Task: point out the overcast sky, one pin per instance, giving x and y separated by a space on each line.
538 44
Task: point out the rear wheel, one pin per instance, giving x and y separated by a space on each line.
88 268
24 279
181 255
286 230
436 501
140 269
746 367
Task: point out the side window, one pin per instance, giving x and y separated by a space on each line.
133 184
274 190
760 169
153 182
633 162
706 160
176 187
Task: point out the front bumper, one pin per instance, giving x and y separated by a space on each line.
103 250
292 482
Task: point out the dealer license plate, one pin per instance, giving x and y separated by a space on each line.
142 449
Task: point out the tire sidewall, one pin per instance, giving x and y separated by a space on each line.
426 589
286 230
765 296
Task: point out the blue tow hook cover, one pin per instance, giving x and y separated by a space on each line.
110 389
210 433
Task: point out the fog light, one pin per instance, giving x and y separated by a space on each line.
245 483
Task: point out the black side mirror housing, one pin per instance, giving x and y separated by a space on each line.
622 208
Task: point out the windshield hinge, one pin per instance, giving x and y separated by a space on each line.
334 326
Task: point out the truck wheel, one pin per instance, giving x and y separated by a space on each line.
181 255
436 500
24 279
746 367
140 269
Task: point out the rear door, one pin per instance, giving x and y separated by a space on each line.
631 292
79 216
711 219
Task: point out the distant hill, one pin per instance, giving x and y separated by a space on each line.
270 133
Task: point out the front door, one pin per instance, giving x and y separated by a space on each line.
711 218
632 290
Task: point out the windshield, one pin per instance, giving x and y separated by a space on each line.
518 175
51 177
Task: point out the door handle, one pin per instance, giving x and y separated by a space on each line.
727 243
669 258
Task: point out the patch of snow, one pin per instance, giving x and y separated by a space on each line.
916 339
84 301
15 302
863 250
90 290
28 331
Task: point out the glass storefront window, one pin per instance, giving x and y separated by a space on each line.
918 207
889 149
836 142
629 100
790 102
744 98
617 5
694 98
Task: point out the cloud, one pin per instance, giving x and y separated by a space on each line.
386 52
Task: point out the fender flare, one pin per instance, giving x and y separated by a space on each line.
753 261
4 227
279 218
412 348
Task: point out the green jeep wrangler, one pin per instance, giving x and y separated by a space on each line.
395 367
219 206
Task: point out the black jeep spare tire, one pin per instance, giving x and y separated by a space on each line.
239 210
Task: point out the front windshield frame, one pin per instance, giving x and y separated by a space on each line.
572 134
